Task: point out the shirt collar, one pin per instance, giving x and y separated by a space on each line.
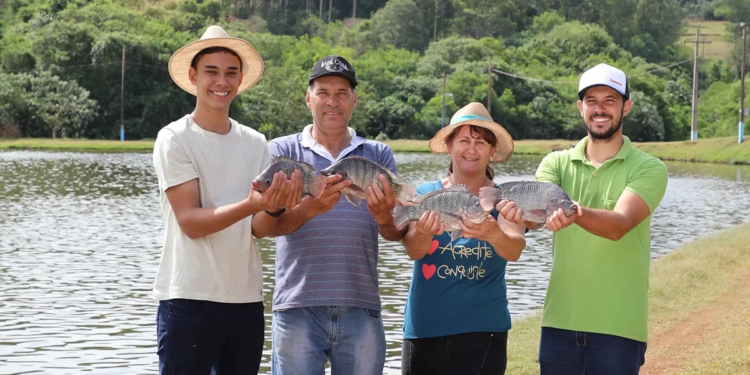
579 151
308 141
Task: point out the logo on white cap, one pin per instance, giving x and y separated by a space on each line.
604 75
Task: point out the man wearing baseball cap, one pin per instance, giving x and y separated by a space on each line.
326 303
595 310
209 282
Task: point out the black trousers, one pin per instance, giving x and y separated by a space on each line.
475 353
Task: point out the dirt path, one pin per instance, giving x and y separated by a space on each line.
673 347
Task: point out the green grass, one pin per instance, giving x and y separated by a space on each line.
688 280
76 145
717 150
718 49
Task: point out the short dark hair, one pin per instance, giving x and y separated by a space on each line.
210 50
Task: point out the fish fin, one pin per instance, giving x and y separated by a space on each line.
406 193
400 216
353 199
353 194
317 185
459 187
538 225
456 234
489 197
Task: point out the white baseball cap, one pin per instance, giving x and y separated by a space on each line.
604 75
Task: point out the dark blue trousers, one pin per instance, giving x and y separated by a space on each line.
563 352
203 337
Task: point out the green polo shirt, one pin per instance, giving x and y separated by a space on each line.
598 285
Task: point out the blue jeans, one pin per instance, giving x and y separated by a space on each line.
475 353
563 352
351 338
203 337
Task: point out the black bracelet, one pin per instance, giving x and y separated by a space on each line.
277 213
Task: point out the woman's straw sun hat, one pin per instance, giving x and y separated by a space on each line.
475 114
215 36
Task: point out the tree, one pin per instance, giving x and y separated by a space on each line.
401 23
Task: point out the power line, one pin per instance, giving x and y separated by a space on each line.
67 67
576 82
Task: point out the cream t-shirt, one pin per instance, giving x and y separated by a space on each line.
224 266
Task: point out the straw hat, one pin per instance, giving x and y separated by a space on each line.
475 114
215 36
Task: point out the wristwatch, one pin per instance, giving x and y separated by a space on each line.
277 213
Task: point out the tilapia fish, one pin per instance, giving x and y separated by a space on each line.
363 173
313 182
537 200
449 203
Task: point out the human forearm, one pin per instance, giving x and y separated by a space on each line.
389 232
417 244
603 223
288 222
198 222
508 246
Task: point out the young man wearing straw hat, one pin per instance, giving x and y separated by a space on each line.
209 281
326 303
596 309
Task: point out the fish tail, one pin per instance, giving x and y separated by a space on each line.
405 192
489 197
317 185
401 216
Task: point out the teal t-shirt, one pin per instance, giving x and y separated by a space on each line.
458 287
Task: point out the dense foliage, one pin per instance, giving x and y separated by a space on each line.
61 60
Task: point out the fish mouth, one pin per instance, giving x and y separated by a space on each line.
256 186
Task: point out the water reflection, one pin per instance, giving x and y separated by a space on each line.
81 237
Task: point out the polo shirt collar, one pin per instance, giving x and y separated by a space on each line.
579 151
308 141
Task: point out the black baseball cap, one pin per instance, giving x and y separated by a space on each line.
333 66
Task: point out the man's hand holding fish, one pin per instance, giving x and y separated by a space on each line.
281 194
380 203
559 220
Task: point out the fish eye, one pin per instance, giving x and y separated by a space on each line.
268 181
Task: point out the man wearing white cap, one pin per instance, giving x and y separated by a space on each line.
209 282
595 311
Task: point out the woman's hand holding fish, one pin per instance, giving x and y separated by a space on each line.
558 220
486 231
509 211
429 224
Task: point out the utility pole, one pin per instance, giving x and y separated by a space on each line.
354 9
122 98
489 85
442 123
694 115
330 6
741 133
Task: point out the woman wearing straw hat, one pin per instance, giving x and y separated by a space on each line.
209 283
456 318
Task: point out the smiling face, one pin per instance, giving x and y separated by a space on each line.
217 77
471 148
603 109
331 100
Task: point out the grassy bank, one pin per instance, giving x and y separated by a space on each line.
699 305
76 145
717 150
